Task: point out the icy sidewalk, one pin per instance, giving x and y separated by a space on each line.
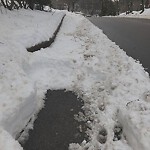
18 94
114 87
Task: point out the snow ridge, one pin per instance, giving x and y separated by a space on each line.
19 100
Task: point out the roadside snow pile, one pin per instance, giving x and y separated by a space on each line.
28 28
114 87
136 14
18 94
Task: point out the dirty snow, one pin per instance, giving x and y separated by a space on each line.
114 87
136 14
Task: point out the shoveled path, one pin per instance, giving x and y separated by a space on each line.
45 44
55 127
132 35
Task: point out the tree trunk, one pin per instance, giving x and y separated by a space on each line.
142 6
4 4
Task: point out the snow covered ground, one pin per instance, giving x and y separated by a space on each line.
136 14
114 87
18 93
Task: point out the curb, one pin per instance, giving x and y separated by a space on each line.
48 43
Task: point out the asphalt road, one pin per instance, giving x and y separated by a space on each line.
55 128
132 35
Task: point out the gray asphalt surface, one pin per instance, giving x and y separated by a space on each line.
55 127
132 35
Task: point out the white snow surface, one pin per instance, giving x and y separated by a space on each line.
114 86
136 14
18 93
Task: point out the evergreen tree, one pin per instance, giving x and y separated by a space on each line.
108 8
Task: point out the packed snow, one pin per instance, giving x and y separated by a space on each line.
114 86
136 14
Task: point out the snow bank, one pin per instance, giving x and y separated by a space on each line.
19 99
28 28
7 142
136 14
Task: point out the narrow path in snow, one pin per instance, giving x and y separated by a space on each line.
55 127
48 43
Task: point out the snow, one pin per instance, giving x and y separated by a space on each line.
18 94
114 86
136 14
7 142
